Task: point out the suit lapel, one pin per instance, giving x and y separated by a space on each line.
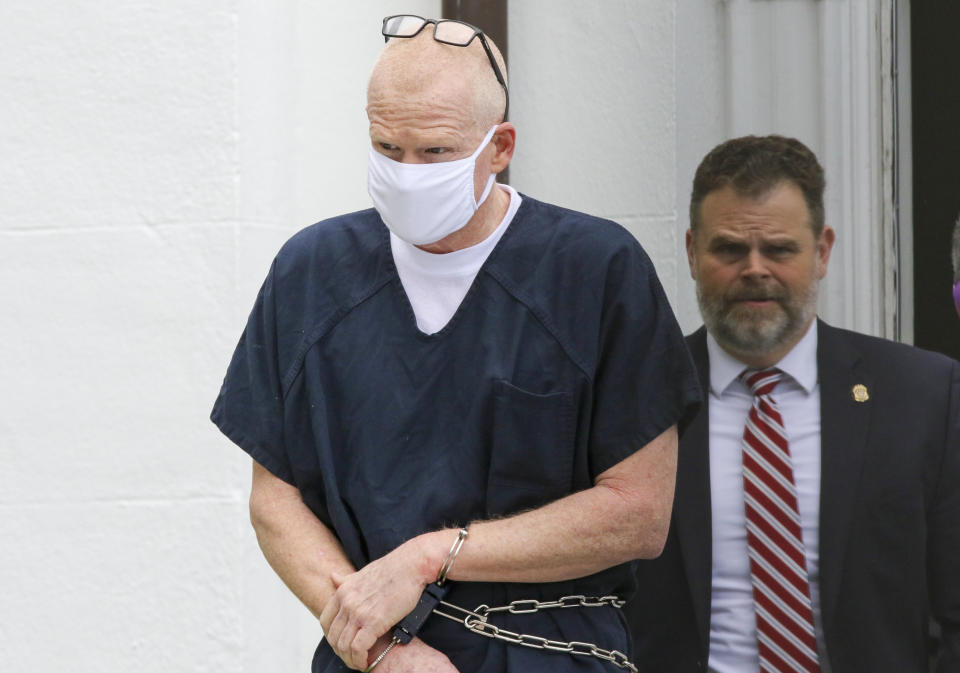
844 425
692 503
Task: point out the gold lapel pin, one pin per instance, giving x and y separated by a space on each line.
860 393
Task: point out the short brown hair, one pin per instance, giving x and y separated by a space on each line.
753 165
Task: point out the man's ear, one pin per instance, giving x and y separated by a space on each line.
824 246
505 140
690 254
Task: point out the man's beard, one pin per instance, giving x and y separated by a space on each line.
755 330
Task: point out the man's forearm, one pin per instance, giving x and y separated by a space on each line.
307 557
579 535
299 548
623 517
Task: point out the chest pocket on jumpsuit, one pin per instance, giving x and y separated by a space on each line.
531 460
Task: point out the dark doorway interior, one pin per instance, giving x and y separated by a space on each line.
935 69
488 15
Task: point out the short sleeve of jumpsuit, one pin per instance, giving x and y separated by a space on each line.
563 359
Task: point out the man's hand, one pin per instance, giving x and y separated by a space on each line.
368 603
416 657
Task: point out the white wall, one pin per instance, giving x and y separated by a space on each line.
593 96
121 519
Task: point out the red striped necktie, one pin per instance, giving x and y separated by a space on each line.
778 567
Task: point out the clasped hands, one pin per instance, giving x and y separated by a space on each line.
358 619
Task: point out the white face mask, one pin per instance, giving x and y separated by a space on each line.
424 203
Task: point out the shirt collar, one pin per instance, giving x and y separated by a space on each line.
800 363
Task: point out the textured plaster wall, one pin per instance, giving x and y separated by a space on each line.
153 157
121 519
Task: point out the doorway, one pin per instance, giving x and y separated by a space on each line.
935 75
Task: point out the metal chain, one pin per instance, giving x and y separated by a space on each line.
476 621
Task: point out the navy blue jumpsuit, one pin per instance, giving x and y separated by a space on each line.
563 359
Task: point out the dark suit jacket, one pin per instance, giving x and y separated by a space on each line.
889 517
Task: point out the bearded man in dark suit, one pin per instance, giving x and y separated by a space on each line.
816 523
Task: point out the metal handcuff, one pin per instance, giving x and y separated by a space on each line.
476 620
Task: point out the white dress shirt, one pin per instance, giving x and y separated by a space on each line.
733 628
436 283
